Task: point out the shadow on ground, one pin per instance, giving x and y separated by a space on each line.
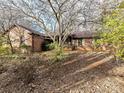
61 77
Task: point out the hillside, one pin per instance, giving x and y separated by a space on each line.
79 73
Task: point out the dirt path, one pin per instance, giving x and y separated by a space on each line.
82 73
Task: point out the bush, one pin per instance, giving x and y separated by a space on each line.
113 33
52 46
4 50
24 46
57 51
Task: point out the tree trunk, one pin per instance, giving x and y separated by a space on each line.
60 40
10 43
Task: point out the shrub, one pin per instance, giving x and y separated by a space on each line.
4 50
52 46
24 46
57 51
113 33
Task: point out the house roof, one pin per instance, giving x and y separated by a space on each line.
32 30
75 34
29 29
80 34
84 34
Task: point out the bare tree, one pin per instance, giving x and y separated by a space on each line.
8 19
58 18
54 17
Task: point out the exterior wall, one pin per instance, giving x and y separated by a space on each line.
19 35
80 42
37 43
88 42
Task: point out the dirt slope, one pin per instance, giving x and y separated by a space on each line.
80 73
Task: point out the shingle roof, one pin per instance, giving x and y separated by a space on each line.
75 34
84 34
29 29
32 30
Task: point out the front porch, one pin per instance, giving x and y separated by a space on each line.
83 44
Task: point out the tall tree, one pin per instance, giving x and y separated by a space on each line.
113 32
58 18
8 18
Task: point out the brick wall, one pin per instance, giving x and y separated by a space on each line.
37 42
18 32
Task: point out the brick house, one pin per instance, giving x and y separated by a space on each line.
21 35
82 39
36 41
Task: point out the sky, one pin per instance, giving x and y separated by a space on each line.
92 12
